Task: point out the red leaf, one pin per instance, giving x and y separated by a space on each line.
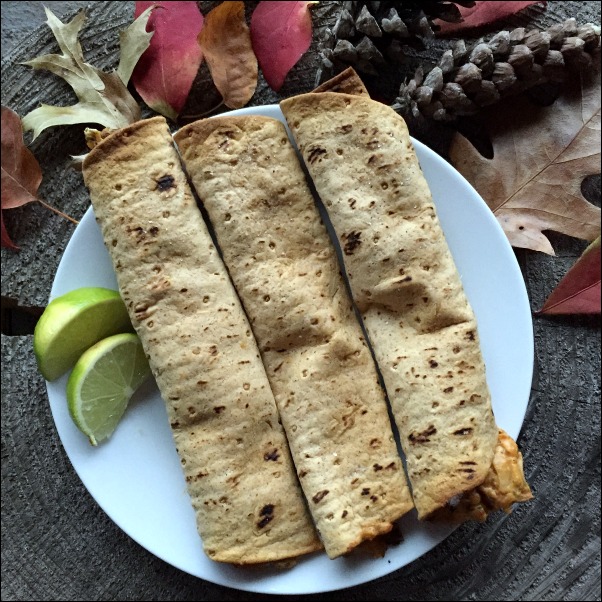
21 173
579 291
281 34
6 241
165 72
482 13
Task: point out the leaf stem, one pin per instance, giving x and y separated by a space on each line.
74 221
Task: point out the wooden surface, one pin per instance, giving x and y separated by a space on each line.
57 544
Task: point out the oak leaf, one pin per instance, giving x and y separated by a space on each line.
481 14
541 156
166 71
226 44
281 33
579 291
103 97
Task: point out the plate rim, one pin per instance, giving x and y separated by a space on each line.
257 585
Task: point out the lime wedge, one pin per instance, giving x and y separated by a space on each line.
72 323
102 382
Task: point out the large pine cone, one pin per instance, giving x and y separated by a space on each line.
367 35
466 79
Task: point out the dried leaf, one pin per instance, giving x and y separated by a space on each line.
6 241
133 43
21 173
579 291
103 97
541 156
281 34
165 73
226 45
482 13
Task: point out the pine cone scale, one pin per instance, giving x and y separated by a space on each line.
509 63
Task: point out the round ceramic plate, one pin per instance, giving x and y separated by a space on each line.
136 476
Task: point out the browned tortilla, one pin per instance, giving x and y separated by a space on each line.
406 285
240 477
346 82
286 272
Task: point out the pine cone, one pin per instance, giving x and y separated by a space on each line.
509 63
367 35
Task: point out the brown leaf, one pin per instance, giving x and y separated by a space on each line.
102 97
226 44
541 156
21 173
6 240
579 291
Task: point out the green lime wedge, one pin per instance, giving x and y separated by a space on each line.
72 323
102 382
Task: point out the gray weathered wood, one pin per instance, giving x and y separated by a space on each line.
58 545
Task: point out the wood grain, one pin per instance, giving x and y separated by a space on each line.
57 544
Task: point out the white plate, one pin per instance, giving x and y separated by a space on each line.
136 477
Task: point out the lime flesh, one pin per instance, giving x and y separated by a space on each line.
102 383
74 322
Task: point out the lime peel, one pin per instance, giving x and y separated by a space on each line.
72 323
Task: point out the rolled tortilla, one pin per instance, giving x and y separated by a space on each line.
285 269
346 82
240 477
407 288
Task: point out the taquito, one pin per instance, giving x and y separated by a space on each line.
240 477
408 290
284 267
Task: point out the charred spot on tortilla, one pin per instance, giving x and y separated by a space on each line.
352 242
267 512
320 496
314 154
165 182
272 455
423 437
463 432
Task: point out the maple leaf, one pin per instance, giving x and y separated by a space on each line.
482 13
166 71
21 173
541 156
103 97
281 33
579 291
226 44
